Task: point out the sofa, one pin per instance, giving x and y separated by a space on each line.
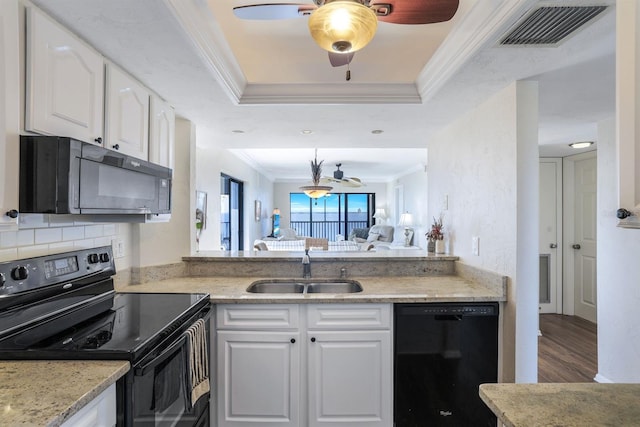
377 235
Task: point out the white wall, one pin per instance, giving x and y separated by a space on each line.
167 242
413 188
618 274
486 162
209 164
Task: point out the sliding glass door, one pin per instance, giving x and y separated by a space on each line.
231 213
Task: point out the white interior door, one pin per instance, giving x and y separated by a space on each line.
584 242
550 242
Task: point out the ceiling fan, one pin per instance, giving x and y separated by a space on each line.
339 178
343 27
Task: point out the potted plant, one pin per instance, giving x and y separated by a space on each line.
435 236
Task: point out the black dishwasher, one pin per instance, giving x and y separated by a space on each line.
443 352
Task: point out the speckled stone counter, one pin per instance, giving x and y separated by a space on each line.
375 289
564 405
47 393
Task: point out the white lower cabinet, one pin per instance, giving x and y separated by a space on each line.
339 374
349 377
100 412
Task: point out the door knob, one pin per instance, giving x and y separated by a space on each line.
553 245
575 246
623 213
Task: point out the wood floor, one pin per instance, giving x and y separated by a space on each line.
567 349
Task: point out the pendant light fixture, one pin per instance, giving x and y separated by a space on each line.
343 25
316 190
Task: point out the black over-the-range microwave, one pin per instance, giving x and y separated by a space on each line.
61 175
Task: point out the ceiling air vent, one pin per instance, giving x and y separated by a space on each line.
549 25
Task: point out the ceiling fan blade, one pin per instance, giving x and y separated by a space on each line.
340 59
417 11
273 11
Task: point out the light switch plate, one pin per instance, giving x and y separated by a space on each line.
475 245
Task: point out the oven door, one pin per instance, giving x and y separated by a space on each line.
159 394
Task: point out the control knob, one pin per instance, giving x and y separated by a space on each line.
2 280
19 273
93 259
104 257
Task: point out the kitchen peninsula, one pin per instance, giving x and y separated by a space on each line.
391 277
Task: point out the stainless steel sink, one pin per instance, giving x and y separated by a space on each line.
313 286
271 287
336 287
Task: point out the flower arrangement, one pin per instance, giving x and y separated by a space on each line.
436 232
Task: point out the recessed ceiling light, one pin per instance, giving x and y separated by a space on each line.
581 144
377 131
237 131
306 131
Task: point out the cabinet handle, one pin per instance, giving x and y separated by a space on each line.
553 246
293 340
576 246
116 146
12 213
313 339
98 140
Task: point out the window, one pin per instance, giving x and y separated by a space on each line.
332 215
231 213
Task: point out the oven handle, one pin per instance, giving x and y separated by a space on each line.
142 370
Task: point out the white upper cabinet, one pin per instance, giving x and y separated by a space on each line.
127 118
65 82
162 130
9 114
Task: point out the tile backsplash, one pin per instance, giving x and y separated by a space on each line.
42 234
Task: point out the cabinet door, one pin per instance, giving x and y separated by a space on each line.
162 130
127 118
100 412
349 375
258 378
65 82
9 113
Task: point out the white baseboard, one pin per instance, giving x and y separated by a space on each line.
602 379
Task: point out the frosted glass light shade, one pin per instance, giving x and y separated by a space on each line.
316 191
343 26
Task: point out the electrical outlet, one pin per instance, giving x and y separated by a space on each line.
445 202
475 245
117 246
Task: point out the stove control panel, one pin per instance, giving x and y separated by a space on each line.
63 269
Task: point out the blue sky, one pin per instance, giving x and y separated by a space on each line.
300 202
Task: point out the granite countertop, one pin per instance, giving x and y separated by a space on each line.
386 255
47 393
566 405
375 290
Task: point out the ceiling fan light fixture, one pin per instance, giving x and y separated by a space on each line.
343 26
316 190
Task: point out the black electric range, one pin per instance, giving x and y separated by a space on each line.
64 306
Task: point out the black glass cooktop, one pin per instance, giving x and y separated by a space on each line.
135 323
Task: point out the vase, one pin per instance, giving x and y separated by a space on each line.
439 246
431 246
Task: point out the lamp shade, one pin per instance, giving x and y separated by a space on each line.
406 220
343 26
380 214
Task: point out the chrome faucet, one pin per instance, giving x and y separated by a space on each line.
306 265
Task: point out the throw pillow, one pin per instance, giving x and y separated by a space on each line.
361 233
373 237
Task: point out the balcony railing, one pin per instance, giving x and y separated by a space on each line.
326 229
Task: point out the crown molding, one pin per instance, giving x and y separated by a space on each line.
486 21
344 93
201 28
243 156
